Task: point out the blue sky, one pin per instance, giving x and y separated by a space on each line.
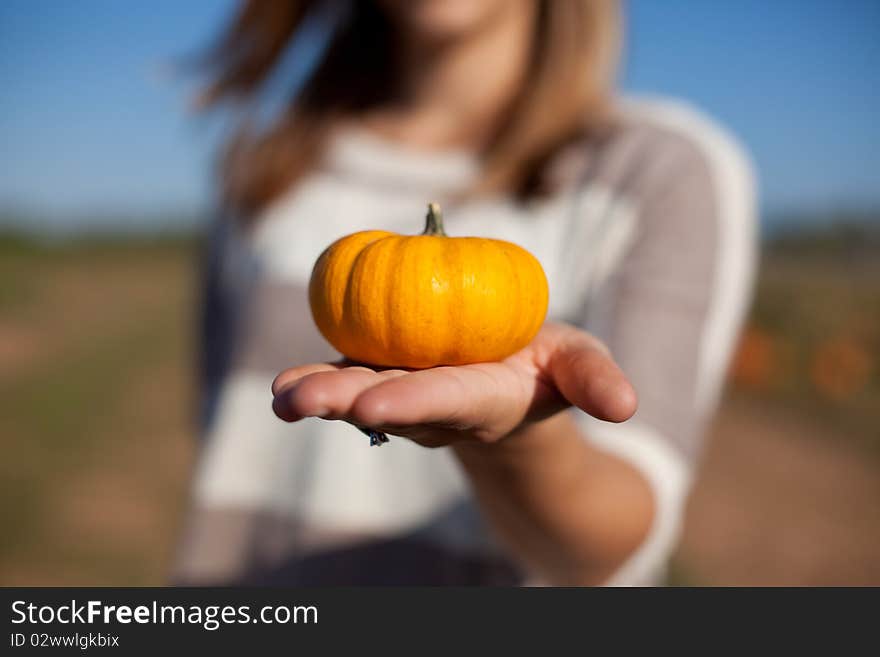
89 125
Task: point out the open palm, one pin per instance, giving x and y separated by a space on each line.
485 402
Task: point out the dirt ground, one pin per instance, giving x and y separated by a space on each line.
95 400
781 500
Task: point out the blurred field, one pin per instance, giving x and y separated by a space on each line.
94 410
96 399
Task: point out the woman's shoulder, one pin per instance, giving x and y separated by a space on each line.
672 126
658 142
684 182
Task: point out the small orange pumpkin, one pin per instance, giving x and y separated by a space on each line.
425 300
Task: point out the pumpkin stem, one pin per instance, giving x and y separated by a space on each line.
434 221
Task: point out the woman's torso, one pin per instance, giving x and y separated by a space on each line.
312 502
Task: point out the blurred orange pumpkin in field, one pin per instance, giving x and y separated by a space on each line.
840 368
424 300
754 363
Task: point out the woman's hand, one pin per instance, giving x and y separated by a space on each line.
485 402
571 513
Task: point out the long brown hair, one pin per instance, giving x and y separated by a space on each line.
565 94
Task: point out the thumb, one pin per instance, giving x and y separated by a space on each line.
586 375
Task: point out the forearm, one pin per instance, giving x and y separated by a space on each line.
571 512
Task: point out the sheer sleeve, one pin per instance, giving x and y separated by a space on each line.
670 313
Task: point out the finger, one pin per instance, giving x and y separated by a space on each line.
290 376
327 394
588 377
448 396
